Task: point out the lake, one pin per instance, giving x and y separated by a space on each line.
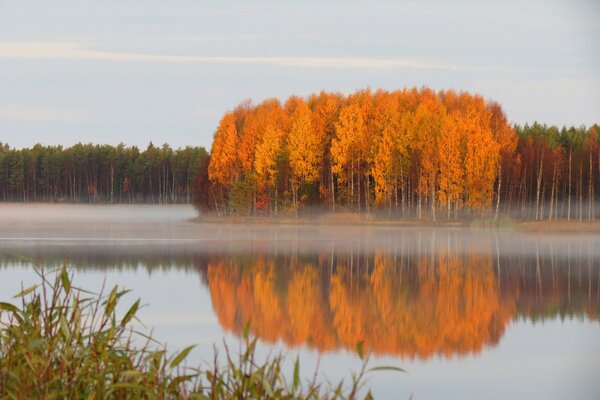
467 313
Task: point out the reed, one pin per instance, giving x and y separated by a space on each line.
61 341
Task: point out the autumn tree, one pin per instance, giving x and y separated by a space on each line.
389 148
304 149
325 109
427 124
268 152
482 156
345 147
505 136
451 156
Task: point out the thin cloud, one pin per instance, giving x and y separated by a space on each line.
218 38
72 51
27 113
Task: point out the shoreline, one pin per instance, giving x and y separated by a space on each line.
354 220
67 212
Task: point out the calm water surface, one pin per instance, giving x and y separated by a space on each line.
468 313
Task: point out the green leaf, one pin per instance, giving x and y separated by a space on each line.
64 327
64 277
25 292
179 380
8 307
359 349
267 387
296 373
14 310
111 303
122 293
131 313
387 368
181 356
247 330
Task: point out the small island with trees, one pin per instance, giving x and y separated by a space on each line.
411 154
414 153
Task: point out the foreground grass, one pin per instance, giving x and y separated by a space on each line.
64 342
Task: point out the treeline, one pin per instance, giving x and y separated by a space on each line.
554 173
99 173
413 152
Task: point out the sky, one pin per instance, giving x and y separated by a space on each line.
139 71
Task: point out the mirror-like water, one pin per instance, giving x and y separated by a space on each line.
469 313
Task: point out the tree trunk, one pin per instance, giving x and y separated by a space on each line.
569 189
253 209
595 185
276 200
352 185
419 200
34 184
395 195
173 192
433 199
590 190
409 198
499 188
332 190
542 202
580 191
539 187
295 197
216 202
359 177
552 192
367 189
112 182
520 195
187 190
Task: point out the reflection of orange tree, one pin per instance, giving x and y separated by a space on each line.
452 307
444 303
246 295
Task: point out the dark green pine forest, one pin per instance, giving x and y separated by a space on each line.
92 173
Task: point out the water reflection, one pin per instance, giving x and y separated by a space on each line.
413 306
413 294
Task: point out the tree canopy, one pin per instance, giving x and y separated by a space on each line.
414 152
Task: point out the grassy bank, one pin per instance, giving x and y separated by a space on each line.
354 219
60 341
327 219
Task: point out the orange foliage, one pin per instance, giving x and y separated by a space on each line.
435 148
443 302
304 145
452 307
267 115
223 167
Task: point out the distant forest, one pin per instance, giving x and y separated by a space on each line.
87 173
413 153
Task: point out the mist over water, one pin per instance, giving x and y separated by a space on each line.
466 311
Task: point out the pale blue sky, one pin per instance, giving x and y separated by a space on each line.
140 71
